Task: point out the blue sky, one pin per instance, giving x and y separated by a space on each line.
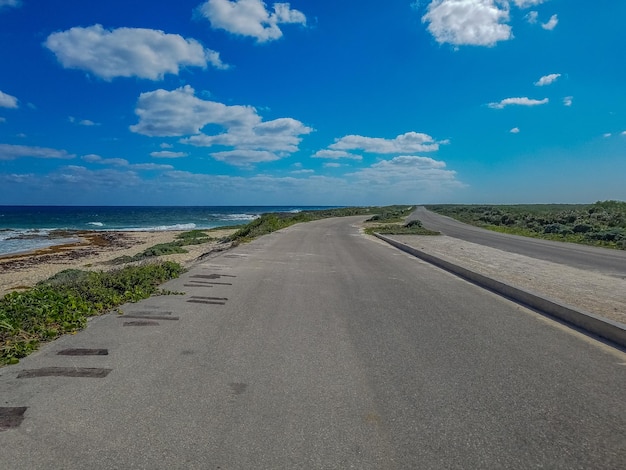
319 102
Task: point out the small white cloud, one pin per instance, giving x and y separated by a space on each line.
7 101
245 157
11 152
527 3
168 154
128 52
165 145
623 133
336 155
523 101
515 130
551 24
250 17
332 165
10 3
547 79
532 17
82 122
468 22
410 142
608 134
567 101
302 172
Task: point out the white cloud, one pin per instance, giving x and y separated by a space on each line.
128 52
180 113
468 22
242 157
10 3
517 101
567 101
515 130
165 145
527 3
532 17
250 17
168 154
623 133
410 142
608 134
7 101
11 152
551 24
82 122
547 79
336 155
332 165
122 162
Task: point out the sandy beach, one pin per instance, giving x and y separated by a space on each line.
92 252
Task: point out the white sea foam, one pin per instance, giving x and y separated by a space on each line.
96 224
159 228
239 216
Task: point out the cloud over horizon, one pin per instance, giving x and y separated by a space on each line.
522 101
128 52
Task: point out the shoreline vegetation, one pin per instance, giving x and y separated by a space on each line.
86 278
600 224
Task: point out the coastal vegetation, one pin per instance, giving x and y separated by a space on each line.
602 223
63 303
192 237
271 222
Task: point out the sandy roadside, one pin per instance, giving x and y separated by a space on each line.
91 253
594 292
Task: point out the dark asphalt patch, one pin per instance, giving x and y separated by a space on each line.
207 302
140 323
150 317
84 372
238 388
223 299
83 352
11 416
196 285
212 276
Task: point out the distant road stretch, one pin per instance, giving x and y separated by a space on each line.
604 260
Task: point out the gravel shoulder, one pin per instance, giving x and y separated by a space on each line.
584 289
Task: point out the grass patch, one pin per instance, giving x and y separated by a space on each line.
414 227
62 303
600 224
192 237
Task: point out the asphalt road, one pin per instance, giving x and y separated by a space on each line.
319 348
604 260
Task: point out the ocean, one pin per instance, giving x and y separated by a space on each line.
26 228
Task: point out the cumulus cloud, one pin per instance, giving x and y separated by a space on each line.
250 17
242 157
518 102
168 154
82 122
11 152
515 130
7 101
567 101
180 113
527 3
547 79
128 52
551 24
410 142
336 155
468 22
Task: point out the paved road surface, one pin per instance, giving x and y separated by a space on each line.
606 261
319 348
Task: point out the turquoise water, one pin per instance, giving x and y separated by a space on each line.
25 228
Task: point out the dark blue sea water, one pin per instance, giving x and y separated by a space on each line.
25 228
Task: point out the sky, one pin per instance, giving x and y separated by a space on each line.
312 102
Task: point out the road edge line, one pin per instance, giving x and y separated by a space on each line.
602 327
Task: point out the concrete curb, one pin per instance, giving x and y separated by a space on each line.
602 327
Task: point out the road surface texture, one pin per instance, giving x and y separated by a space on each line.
317 347
603 260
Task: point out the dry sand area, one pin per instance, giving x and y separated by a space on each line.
591 291
92 253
